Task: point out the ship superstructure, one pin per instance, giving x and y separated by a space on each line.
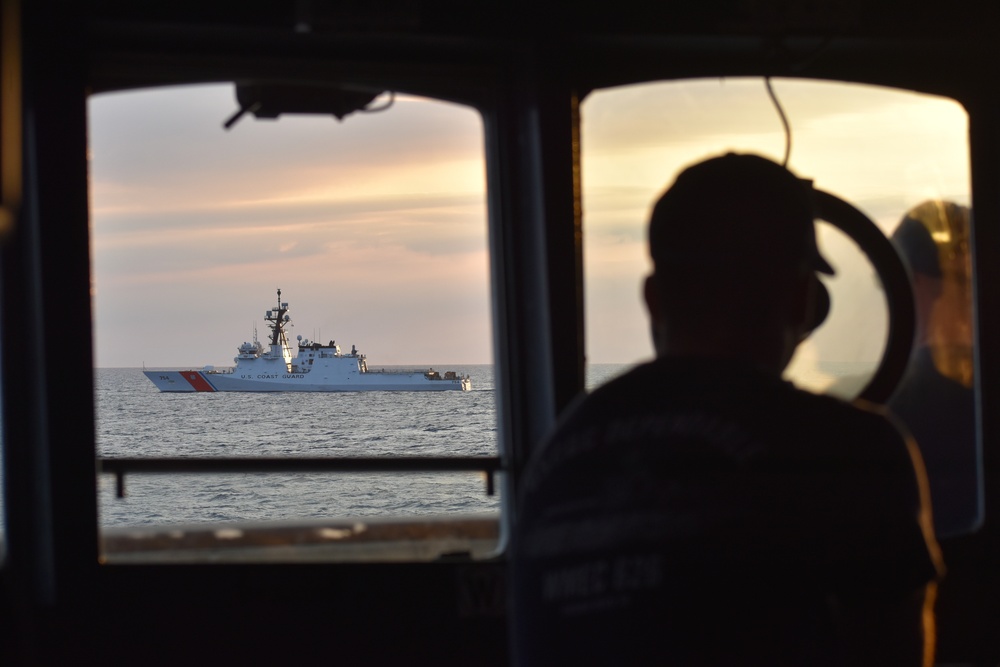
310 366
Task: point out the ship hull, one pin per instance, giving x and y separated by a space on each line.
213 381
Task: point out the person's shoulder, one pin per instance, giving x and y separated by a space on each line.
858 426
873 419
846 414
623 389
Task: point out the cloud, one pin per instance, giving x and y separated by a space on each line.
171 139
380 219
149 244
881 149
376 227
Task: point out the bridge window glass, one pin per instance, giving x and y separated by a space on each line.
899 157
374 231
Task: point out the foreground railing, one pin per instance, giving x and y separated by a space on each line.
119 467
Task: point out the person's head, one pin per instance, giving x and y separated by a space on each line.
932 239
734 251
920 255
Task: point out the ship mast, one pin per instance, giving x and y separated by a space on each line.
278 322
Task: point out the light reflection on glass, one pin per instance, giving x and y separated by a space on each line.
936 399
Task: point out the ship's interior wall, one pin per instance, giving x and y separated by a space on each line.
526 71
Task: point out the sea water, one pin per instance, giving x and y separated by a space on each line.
135 420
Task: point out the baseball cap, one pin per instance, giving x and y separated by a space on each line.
737 211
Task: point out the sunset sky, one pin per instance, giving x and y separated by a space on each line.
374 228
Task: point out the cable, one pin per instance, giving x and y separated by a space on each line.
784 120
385 105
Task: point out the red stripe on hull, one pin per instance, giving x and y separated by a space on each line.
197 380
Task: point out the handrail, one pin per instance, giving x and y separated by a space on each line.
120 466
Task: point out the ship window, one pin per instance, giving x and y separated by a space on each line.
374 230
900 157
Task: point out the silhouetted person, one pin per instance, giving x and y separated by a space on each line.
939 407
699 510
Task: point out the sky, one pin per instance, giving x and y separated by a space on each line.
374 228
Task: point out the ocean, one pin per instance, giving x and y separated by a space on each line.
134 419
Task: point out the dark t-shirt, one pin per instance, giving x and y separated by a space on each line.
697 512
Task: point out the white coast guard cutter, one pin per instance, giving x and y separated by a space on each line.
313 367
